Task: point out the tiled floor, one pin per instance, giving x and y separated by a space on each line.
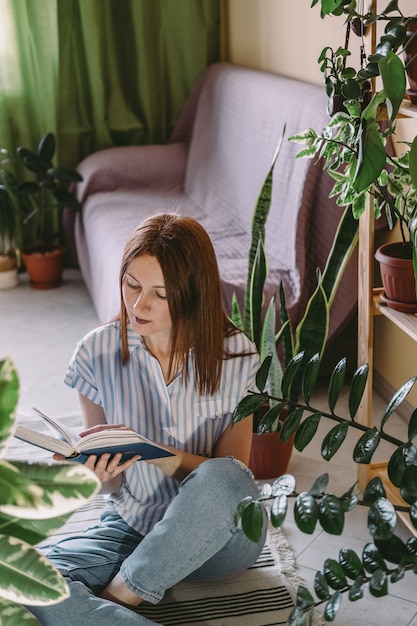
39 330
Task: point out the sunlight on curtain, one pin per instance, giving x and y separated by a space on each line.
100 72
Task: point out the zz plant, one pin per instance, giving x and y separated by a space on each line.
35 501
384 560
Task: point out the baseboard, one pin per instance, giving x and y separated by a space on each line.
386 391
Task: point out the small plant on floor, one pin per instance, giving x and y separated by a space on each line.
48 193
386 558
35 501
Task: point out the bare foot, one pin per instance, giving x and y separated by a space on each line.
116 591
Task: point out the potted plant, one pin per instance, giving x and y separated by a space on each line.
356 145
9 224
44 196
35 501
386 558
271 452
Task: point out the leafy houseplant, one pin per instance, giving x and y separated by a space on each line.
45 196
35 500
356 144
386 558
311 333
9 223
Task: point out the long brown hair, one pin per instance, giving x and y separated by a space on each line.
188 262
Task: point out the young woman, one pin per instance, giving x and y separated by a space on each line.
172 367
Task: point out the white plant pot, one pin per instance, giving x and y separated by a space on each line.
9 279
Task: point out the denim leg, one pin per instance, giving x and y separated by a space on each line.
83 608
88 562
197 534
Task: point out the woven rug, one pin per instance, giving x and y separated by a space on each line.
262 596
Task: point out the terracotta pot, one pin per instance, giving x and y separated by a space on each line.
410 52
44 268
9 276
397 275
269 457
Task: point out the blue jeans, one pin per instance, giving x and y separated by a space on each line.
196 540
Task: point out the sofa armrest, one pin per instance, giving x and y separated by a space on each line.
132 167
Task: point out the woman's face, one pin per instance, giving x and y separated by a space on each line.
144 295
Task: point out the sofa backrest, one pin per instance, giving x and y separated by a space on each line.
241 114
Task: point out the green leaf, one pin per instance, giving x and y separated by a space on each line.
366 446
290 373
333 440
371 157
378 585
351 563
332 606
310 377
9 395
336 383
258 277
372 559
304 598
331 514
26 576
260 214
15 488
397 399
393 77
356 590
382 519
374 490
393 549
279 511
46 148
413 161
15 615
253 521
321 587
236 316
412 425
306 513
262 373
269 420
296 617
291 424
31 531
306 431
247 406
320 485
63 488
357 389
284 485
334 574
398 466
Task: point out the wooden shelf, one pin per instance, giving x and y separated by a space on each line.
408 109
406 321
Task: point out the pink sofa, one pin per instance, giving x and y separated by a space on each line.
212 169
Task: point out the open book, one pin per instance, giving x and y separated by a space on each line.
79 448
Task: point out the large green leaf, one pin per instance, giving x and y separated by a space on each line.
357 389
351 563
366 446
334 574
397 399
256 286
306 512
31 531
394 82
333 440
306 431
371 156
336 383
9 394
15 488
331 514
382 519
260 214
253 520
64 487
13 614
26 576
344 243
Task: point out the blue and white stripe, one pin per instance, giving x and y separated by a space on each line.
176 414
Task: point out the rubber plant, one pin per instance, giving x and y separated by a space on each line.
35 501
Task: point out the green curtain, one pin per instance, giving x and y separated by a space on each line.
100 72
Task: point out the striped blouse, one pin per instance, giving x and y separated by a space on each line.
137 396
